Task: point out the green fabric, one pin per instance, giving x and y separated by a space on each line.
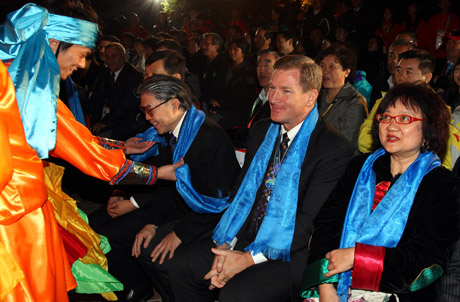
313 276
426 277
93 279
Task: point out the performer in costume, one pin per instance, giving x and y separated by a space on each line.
30 42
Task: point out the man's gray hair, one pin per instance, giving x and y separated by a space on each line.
166 87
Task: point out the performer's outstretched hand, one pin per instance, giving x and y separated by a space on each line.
134 145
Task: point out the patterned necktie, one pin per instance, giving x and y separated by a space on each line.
263 198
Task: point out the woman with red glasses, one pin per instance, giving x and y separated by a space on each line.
386 230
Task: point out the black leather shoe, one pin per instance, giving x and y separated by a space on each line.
139 295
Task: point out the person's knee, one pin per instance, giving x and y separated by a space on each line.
237 291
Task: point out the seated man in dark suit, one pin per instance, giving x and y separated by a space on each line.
171 222
259 248
260 109
114 107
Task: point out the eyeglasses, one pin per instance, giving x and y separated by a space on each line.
399 119
149 111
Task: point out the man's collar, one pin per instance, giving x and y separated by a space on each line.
293 132
117 73
263 96
176 130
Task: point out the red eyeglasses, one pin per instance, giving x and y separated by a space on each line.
399 119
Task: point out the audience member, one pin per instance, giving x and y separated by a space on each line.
207 151
139 59
277 22
195 58
373 60
127 40
304 154
102 44
231 105
162 24
383 202
359 21
440 25
339 102
285 42
444 67
416 24
213 80
388 29
386 80
134 28
189 78
452 95
260 109
409 36
114 104
317 16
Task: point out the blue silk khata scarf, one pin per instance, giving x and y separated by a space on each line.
190 127
274 237
385 225
34 68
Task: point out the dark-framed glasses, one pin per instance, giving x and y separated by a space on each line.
149 111
399 119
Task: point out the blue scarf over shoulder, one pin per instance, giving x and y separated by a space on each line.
275 235
190 127
385 225
34 69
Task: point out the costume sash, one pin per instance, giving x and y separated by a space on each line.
385 225
34 68
274 237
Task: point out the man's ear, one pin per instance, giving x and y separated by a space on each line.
311 97
428 77
177 76
54 44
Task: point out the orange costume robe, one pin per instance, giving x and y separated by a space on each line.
39 270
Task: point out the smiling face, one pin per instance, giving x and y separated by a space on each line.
402 141
333 74
165 117
114 59
289 105
71 59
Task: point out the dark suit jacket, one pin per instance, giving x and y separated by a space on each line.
122 101
213 167
327 156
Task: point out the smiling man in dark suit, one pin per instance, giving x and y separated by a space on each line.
114 106
259 247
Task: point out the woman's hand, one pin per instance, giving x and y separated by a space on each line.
168 172
327 293
340 261
134 145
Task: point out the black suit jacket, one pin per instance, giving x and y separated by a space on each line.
214 169
327 156
122 101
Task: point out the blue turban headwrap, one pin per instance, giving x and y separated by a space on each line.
34 69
